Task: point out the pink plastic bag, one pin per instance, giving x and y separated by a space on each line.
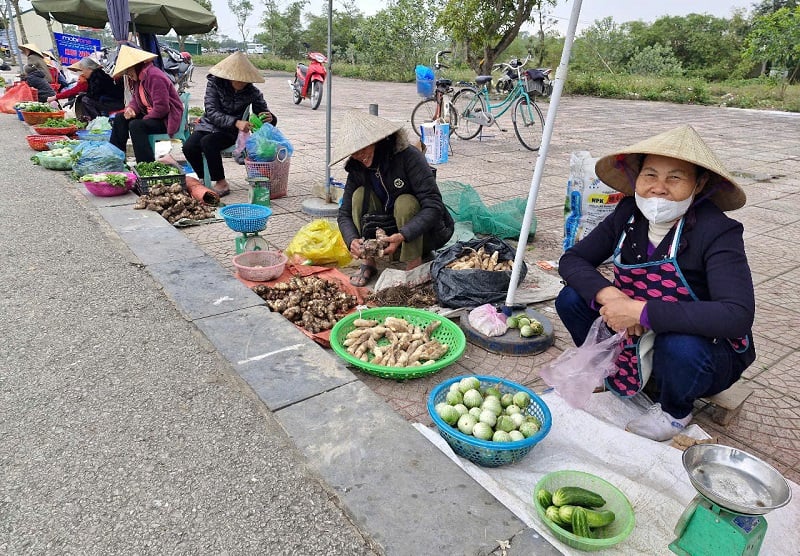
578 371
488 321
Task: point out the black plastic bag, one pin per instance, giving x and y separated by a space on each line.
472 287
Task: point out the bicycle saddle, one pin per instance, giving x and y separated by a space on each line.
444 82
481 79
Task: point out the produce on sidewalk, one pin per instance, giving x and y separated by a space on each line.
486 413
527 326
575 508
309 302
171 202
480 259
394 342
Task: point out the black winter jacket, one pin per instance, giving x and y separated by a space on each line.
224 105
37 80
407 172
102 88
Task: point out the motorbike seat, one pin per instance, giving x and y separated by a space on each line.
481 79
303 69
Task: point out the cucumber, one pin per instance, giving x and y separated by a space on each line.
596 518
544 498
552 514
577 496
580 523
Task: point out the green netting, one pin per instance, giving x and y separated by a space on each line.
502 220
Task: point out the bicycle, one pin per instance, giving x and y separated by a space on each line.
475 109
439 107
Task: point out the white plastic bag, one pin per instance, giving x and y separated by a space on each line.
487 320
579 370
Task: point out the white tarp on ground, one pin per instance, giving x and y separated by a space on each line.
649 473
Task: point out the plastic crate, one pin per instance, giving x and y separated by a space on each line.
144 183
484 452
277 171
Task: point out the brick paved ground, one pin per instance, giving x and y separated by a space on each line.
761 148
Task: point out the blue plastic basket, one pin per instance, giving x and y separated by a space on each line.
484 452
245 218
19 114
86 135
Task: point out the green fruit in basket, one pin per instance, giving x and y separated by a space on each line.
512 409
501 436
466 423
454 398
493 391
528 429
472 398
461 408
448 413
475 412
482 431
507 400
493 405
505 423
523 321
522 400
455 387
518 419
516 436
488 417
469 383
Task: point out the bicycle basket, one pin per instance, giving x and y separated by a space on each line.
535 86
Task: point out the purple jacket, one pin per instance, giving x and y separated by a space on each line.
161 94
711 257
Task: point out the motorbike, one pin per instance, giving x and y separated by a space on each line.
308 79
178 66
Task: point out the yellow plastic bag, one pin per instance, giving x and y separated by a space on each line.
320 242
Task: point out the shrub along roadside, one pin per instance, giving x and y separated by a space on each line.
760 93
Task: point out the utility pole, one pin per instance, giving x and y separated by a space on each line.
12 34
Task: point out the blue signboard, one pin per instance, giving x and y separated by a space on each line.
72 48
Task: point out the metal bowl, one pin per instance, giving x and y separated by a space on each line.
735 480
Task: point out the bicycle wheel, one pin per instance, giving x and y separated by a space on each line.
468 104
423 113
528 123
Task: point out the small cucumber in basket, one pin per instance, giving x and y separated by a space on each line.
577 496
580 523
595 518
544 498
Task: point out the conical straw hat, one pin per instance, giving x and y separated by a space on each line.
619 170
360 130
127 57
75 66
33 48
237 67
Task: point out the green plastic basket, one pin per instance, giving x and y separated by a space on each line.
616 501
448 333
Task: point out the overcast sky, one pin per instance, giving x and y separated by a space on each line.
591 10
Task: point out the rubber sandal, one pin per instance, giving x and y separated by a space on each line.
222 192
365 274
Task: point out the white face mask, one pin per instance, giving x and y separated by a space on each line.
660 211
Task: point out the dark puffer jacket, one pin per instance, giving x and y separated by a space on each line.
36 79
102 88
405 172
224 105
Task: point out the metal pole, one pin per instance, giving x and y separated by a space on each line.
12 32
561 78
329 78
373 109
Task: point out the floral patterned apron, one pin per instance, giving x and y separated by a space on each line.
661 279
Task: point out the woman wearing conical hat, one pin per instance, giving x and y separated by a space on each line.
681 288
35 56
229 91
389 186
101 94
155 105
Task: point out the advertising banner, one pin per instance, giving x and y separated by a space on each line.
72 48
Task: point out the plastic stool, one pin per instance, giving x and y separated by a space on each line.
206 176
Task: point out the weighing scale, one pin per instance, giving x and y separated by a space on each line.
735 491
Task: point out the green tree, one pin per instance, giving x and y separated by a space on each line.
486 28
775 37
241 9
397 38
657 60
605 46
283 30
770 6
344 23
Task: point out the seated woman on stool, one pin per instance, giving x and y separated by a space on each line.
680 271
229 92
155 105
391 181
99 95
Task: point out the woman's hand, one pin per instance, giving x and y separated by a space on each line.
394 240
266 117
357 248
243 125
51 99
623 313
129 113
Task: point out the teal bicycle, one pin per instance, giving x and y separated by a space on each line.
476 110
